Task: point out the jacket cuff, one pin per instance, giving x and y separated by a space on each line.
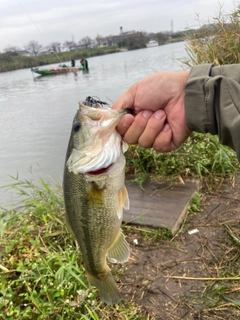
195 98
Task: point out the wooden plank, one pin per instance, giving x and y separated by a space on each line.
159 204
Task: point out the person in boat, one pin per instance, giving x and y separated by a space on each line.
73 63
84 64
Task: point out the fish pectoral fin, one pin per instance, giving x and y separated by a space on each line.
119 252
123 202
125 198
107 288
124 146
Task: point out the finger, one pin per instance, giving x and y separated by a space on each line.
136 129
124 124
153 128
163 142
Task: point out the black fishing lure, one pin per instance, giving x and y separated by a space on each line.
91 102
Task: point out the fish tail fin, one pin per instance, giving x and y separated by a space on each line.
107 288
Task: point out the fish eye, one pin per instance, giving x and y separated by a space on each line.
76 126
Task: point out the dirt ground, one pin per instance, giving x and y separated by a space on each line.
211 252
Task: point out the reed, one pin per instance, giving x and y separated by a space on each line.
217 41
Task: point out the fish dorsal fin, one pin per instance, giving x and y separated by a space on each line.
119 252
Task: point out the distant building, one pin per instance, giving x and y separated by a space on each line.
45 51
24 53
113 40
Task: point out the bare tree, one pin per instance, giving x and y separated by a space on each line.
55 46
70 45
11 48
86 42
34 47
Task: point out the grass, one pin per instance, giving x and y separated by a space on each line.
201 156
41 270
221 294
41 267
217 294
147 237
216 41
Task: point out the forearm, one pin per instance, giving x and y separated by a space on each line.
212 102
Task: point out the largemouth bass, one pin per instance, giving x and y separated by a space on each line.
95 194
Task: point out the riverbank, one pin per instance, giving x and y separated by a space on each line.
42 274
193 274
11 61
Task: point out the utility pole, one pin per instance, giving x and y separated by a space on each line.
121 29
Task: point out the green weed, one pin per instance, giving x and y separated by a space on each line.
147 236
195 204
41 270
201 156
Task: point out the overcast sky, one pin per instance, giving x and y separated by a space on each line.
48 21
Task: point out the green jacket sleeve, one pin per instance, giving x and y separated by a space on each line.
212 102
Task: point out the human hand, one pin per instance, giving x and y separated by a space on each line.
158 102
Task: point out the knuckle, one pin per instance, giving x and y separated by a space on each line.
161 146
130 139
145 143
140 122
160 149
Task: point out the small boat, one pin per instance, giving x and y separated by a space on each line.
58 70
152 43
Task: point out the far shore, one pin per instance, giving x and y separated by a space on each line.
10 61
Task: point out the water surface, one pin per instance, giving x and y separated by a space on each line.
37 112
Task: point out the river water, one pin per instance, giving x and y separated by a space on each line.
37 112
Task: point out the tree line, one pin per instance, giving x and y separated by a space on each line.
34 53
131 40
